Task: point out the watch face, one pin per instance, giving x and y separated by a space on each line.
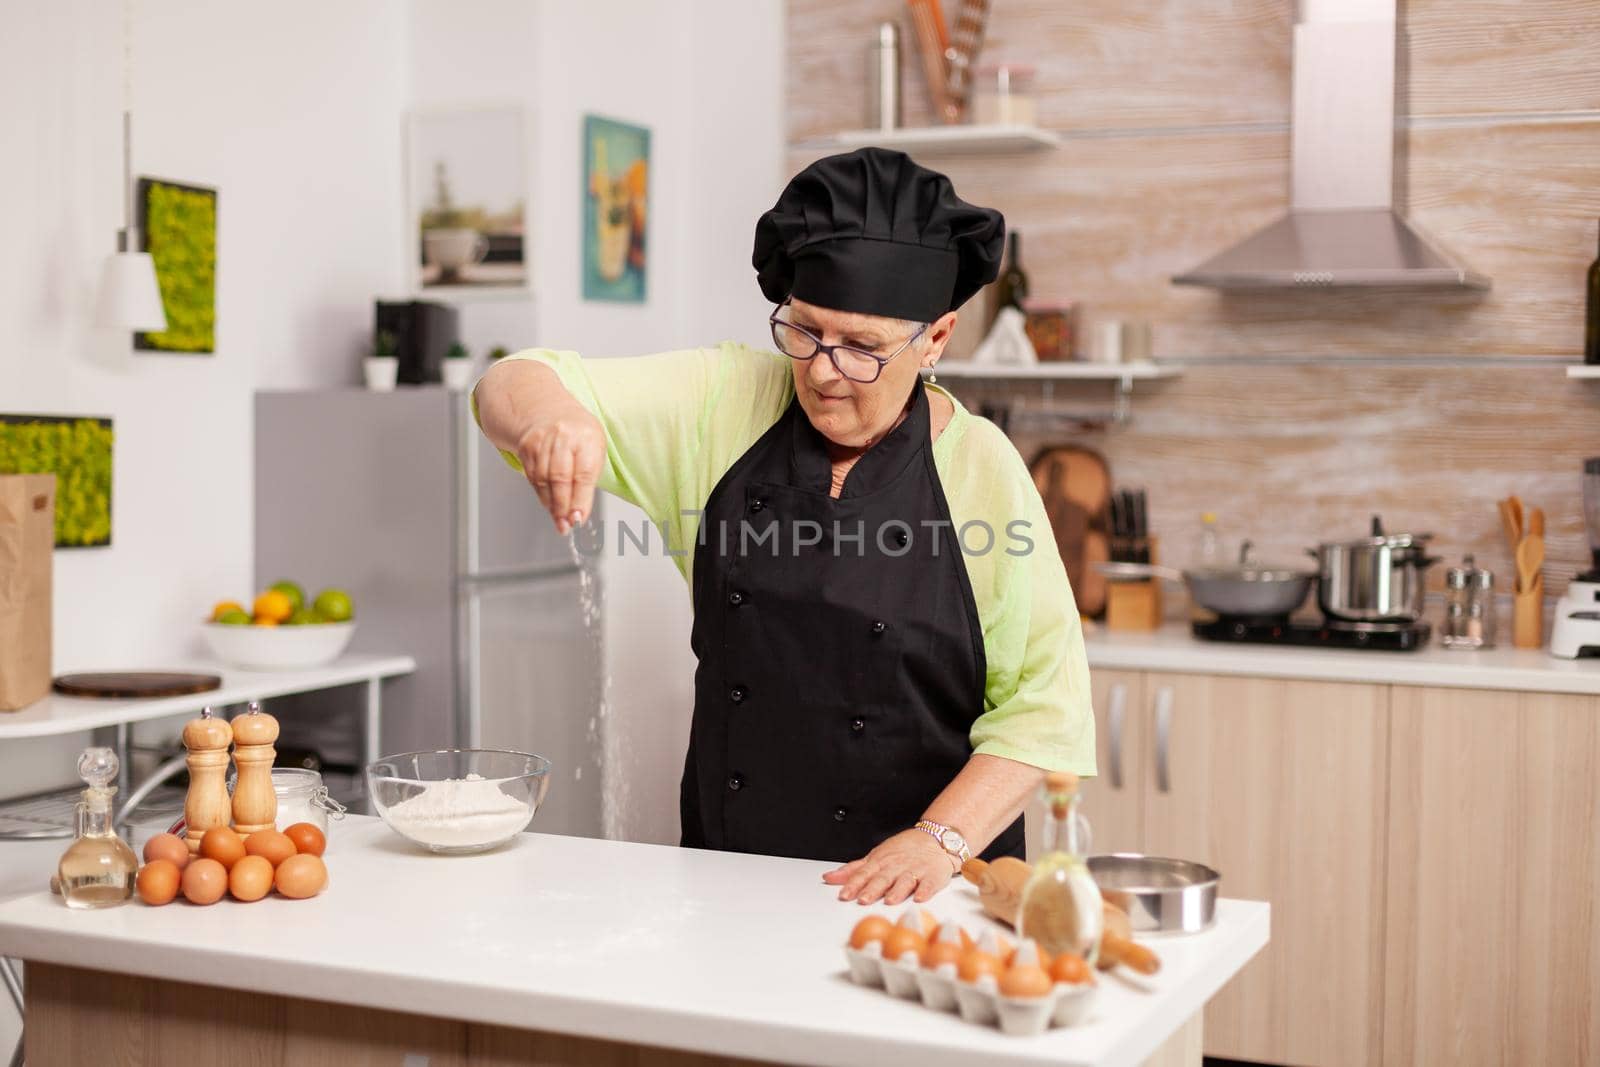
951 840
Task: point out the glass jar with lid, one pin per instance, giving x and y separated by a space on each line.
302 797
1469 615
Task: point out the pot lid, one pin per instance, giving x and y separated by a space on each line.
1380 539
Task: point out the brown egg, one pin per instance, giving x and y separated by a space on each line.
872 928
169 847
301 876
1025 981
270 845
307 838
1070 968
899 941
939 953
974 963
223 845
158 882
204 881
251 878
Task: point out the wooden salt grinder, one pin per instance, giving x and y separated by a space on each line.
206 806
255 802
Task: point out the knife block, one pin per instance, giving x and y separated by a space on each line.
1135 605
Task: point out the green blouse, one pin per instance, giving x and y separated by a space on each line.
676 421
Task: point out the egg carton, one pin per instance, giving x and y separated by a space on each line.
980 1001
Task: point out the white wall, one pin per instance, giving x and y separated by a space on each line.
704 76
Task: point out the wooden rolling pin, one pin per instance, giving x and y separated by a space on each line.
1000 887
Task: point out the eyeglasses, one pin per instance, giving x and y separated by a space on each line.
857 364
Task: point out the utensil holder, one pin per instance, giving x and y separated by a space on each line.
1527 616
1135 605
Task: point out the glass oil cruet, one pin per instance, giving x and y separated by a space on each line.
1060 906
98 869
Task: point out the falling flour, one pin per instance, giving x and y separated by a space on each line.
460 813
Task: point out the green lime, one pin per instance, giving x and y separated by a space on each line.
301 617
234 618
334 605
296 595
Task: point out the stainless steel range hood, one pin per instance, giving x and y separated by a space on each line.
1342 228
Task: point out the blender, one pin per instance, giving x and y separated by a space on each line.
1577 626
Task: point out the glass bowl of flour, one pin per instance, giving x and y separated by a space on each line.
458 800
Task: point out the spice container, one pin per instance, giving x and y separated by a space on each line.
1002 95
1468 607
884 106
302 797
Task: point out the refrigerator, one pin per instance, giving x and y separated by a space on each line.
399 499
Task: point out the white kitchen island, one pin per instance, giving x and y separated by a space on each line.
552 950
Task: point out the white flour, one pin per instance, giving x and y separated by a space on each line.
460 813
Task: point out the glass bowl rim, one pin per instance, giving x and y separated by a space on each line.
541 770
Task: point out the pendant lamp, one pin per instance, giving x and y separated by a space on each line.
129 299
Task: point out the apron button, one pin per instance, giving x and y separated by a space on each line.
840 814
879 626
736 598
901 538
736 783
737 694
858 725
758 504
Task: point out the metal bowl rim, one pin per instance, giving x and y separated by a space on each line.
1209 879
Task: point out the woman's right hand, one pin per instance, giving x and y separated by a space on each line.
562 452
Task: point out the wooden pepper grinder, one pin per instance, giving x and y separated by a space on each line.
255 802
206 806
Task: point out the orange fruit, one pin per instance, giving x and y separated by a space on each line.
274 606
263 622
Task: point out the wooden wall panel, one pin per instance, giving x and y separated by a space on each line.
1477 56
1100 63
1292 455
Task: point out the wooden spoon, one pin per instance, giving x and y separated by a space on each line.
1512 526
1530 560
1536 522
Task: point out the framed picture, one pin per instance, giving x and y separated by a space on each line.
178 227
467 187
616 209
77 450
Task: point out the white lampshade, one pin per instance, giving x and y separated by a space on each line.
129 296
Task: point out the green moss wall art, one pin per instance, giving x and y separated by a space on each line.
77 451
178 224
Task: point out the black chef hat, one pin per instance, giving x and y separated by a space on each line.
872 231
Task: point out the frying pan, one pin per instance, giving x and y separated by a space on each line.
1247 590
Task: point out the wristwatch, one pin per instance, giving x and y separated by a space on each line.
950 839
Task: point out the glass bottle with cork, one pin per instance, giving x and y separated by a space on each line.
98 869
1061 907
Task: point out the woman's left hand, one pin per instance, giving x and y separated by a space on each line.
908 865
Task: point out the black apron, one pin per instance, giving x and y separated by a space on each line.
841 660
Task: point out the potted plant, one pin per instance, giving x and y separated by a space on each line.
383 366
457 367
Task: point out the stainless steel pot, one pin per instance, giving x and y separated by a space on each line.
1159 895
1247 591
1377 579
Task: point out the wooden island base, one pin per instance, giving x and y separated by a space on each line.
77 1016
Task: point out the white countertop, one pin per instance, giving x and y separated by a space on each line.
57 714
720 953
1175 648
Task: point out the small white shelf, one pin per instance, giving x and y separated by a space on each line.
940 140
1584 370
1054 372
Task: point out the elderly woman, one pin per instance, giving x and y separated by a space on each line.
889 652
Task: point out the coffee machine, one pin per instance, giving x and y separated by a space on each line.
1577 627
423 332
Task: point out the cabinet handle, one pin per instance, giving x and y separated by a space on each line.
1116 712
1163 738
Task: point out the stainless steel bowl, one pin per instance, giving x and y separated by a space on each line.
1159 895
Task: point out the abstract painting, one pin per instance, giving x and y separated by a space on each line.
616 203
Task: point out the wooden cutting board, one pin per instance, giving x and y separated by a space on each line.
1075 484
126 685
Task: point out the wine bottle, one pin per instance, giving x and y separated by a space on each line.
1591 322
1013 284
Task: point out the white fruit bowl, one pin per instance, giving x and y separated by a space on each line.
277 648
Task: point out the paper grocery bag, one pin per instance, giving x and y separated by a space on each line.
27 544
